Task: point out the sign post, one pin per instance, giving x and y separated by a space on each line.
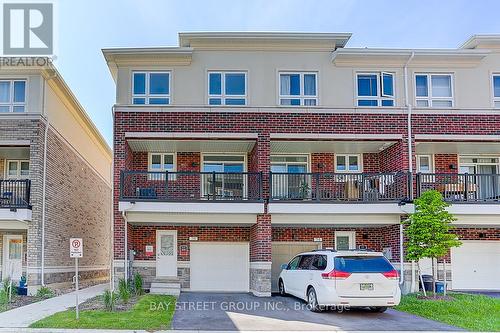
76 251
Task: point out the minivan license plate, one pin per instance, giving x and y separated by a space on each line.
366 286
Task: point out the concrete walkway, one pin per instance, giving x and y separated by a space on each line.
28 314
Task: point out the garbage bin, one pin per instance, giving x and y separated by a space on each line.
440 287
428 279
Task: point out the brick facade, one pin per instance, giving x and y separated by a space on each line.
77 205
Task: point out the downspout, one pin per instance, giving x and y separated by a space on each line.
410 166
112 220
125 259
44 179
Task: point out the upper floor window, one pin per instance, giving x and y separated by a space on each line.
424 164
161 162
17 169
376 89
298 89
151 88
227 88
12 95
434 90
348 163
496 90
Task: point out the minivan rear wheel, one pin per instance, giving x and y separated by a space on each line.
312 300
378 309
281 287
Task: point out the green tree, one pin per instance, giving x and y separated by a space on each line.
428 229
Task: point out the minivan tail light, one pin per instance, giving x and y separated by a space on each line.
335 275
391 275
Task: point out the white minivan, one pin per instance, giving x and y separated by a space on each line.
351 278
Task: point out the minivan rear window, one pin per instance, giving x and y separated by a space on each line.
366 264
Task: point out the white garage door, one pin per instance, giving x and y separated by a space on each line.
476 265
220 267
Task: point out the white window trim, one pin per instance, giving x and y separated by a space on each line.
223 95
360 163
460 164
162 169
11 102
431 161
203 155
350 234
18 172
307 163
495 99
380 96
429 98
147 95
301 96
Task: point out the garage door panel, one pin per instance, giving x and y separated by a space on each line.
219 267
282 253
476 265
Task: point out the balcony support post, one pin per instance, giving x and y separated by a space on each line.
213 186
316 176
466 187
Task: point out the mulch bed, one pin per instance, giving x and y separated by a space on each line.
97 303
18 301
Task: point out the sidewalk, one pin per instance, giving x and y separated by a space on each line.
28 314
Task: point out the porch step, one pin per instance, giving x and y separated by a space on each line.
166 286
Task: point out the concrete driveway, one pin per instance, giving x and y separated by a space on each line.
244 312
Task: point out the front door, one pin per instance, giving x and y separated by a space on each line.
166 253
345 240
12 256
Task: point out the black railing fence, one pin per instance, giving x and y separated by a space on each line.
356 187
15 193
190 186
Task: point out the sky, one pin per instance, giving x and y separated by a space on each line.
84 27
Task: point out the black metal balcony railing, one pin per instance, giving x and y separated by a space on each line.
461 187
15 193
340 187
190 186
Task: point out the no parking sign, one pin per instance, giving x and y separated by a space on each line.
75 248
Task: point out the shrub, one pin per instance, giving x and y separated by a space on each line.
45 292
4 300
109 300
123 290
138 282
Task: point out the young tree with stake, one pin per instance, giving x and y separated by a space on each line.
428 231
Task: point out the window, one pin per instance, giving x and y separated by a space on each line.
496 90
424 164
348 163
345 240
223 163
298 89
160 163
289 163
227 88
319 263
12 95
376 89
362 264
434 90
17 169
151 88
294 263
228 182
305 262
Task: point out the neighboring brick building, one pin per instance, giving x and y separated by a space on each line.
234 151
42 126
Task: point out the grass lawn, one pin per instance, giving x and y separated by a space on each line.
151 312
472 312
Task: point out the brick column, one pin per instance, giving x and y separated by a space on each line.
260 232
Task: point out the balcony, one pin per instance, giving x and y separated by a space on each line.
461 188
339 187
15 194
190 186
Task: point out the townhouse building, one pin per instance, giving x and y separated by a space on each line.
55 180
235 151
